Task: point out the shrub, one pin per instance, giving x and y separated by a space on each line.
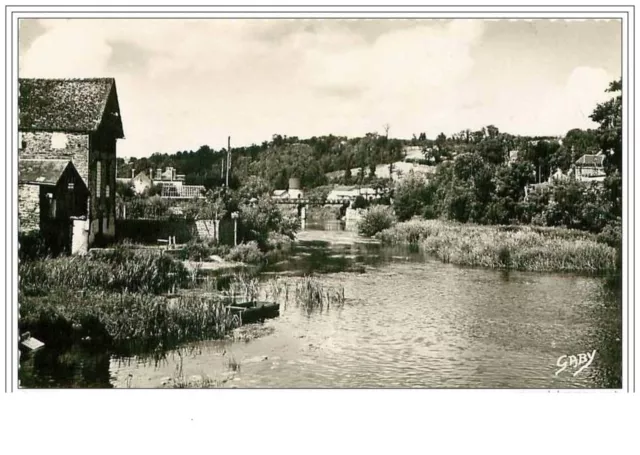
264 217
360 203
612 234
201 250
376 219
248 253
31 246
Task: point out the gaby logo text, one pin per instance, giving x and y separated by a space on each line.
580 361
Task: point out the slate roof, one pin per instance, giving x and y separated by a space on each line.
590 160
70 105
41 172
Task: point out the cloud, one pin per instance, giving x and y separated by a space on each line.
185 83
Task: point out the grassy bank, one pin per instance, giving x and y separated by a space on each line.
505 247
114 297
118 299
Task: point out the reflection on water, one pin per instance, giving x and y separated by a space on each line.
408 322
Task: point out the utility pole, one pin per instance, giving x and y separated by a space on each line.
228 159
539 173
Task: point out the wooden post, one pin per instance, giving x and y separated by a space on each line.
234 215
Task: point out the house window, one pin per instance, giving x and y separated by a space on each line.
70 185
106 191
98 178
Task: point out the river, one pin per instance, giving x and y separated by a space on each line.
408 321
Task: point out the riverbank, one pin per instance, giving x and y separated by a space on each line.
525 248
133 300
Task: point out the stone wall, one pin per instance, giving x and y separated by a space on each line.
58 146
28 208
80 237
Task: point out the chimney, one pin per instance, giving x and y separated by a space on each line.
159 174
151 173
173 173
133 173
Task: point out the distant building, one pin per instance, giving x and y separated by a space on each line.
350 193
513 156
51 193
287 194
292 192
141 182
75 120
176 190
590 168
172 184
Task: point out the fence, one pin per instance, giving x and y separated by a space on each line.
148 231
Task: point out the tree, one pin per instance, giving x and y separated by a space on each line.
609 116
214 207
124 190
253 187
411 196
347 176
263 217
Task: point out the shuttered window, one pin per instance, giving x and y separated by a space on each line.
98 179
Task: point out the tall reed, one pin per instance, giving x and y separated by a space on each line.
119 270
506 247
141 320
311 295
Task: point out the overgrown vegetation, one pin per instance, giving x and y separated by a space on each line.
509 247
249 253
118 270
125 319
376 219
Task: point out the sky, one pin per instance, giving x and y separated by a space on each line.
186 83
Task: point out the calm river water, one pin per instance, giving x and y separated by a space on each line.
409 321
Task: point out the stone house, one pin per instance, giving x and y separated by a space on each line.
76 120
139 182
590 168
52 199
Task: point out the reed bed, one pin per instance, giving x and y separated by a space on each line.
311 295
140 320
118 270
505 247
306 292
243 287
